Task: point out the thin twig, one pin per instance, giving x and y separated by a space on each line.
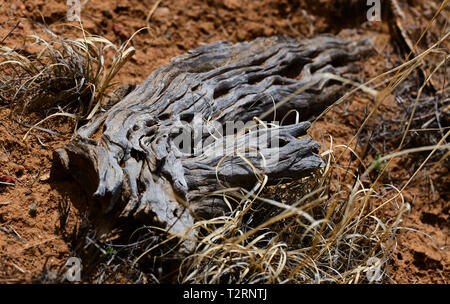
10 32
39 243
150 13
39 128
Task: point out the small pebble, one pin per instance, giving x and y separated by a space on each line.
32 209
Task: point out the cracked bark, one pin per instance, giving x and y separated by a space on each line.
136 169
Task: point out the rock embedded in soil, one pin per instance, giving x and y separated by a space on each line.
141 159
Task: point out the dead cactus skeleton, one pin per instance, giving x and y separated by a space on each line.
137 170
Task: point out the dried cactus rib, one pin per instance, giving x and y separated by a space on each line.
137 170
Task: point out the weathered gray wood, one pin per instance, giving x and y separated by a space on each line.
136 170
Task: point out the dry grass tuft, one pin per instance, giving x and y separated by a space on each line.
329 232
57 76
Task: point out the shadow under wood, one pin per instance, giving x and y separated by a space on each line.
107 256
